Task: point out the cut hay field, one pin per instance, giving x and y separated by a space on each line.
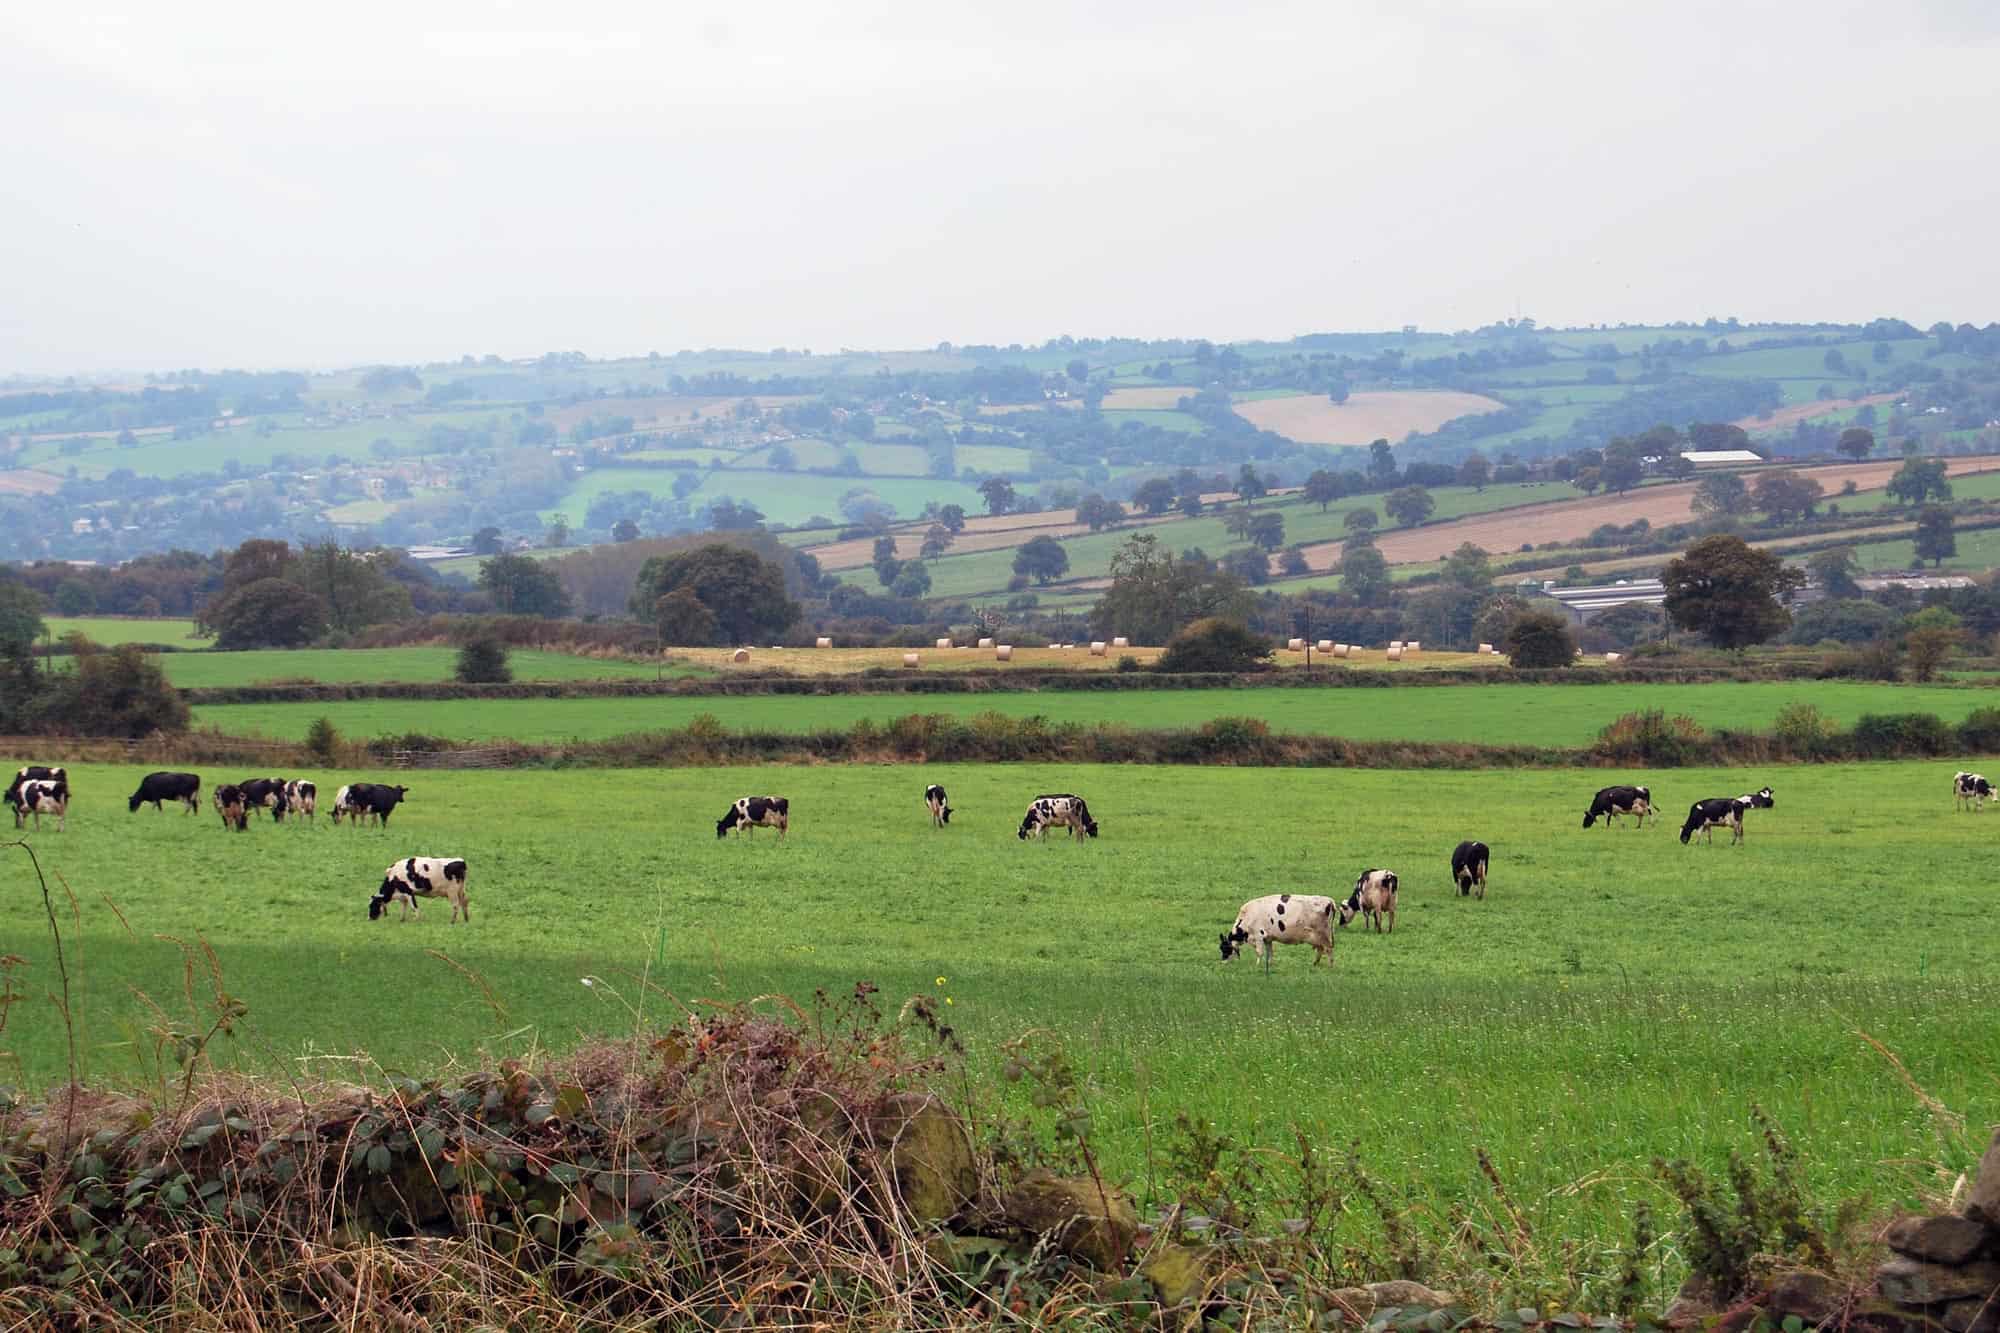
848 661
1615 998
1497 714
783 497
114 630
343 666
1390 414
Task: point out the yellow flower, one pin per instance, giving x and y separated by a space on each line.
940 981
949 1000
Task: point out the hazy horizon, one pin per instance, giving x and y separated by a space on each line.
224 185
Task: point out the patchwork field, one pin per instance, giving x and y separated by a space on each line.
1615 998
1389 414
1499 714
367 665
114 630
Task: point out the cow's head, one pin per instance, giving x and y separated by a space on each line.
1027 826
727 822
1348 910
1232 942
379 901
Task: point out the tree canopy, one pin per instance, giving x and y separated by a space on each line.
1153 592
742 591
1042 559
523 586
1727 591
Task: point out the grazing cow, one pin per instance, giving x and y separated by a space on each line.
750 812
42 796
158 787
1284 918
365 800
1724 812
230 805
32 773
1612 802
264 794
422 877
302 798
1468 868
934 797
1374 897
1969 791
1059 808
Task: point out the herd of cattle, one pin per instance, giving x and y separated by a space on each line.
1279 918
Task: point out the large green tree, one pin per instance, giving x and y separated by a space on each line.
523 586
1153 592
998 493
20 618
268 613
1537 639
1721 493
1409 505
742 590
1918 480
1857 442
353 584
1323 488
1786 495
1727 591
1935 539
1364 574
1042 559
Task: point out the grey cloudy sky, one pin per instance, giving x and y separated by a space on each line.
264 184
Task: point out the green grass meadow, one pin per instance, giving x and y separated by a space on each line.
1616 997
114 630
1498 714
342 666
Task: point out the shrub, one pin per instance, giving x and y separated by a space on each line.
1980 732
1887 736
1215 644
483 661
1539 639
322 741
1651 737
1128 663
1803 728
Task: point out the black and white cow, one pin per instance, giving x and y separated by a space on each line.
264 794
230 805
31 773
158 787
1284 918
302 798
1374 898
1724 812
1612 802
1468 868
368 800
750 812
417 877
935 798
1970 791
1058 809
42 796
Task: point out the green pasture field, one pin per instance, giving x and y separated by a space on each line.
1165 419
114 630
1000 458
783 497
1977 486
1979 549
1615 997
366 665
1498 714
164 456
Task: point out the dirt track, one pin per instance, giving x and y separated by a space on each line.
1502 532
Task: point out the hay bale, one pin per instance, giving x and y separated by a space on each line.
1324 645
1396 652
1485 647
1411 646
1295 645
986 643
1614 658
1396 644
944 643
740 655
822 642
1342 649
1121 642
1004 653
910 659
1097 648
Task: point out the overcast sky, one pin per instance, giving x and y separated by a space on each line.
219 184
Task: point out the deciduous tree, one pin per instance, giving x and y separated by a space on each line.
1042 559
522 586
1727 591
1857 442
1409 505
1721 493
1786 495
743 591
1539 640
1323 488
999 495
1935 539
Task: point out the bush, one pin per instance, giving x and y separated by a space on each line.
1128 663
1980 732
322 741
483 661
1891 735
1215 644
1651 737
1539 639
1803 728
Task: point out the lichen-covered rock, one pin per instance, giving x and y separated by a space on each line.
929 1153
1398 1294
1941 1240
1972 1315
1094 1225
1983 1205
1177 1273
1914 1282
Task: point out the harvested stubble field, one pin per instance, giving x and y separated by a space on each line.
1497 714
1312 418
848 661
1616 996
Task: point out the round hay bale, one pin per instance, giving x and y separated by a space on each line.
1485 647
909 659
1396 644
1097 648
1614 657
944 643
1324 645
1004 653
1121 642
986 643
1396 653
1295 645
822 642
1342 649
1412 646
740 655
